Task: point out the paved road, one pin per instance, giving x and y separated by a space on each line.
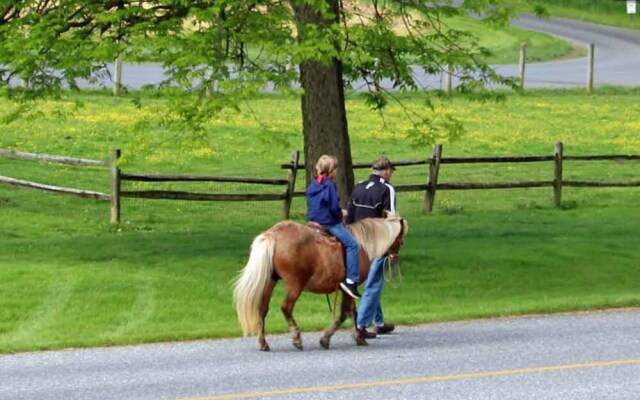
617 59
571 356
617 55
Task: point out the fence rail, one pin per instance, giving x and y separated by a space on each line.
78 162
87 194
406 163
199 178
175 195
52 159
431 186
117 177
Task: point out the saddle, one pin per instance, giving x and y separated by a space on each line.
320 228
325 234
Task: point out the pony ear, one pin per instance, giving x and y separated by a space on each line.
389 214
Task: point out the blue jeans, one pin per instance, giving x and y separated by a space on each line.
353 250
370 309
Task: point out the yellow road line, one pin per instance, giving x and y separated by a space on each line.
424 379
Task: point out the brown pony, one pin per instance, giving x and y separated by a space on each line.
306 259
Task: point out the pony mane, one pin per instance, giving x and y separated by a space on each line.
376 235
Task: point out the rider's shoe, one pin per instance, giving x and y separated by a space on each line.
350 289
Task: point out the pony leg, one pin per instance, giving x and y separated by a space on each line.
287 309
264 309
360 341
347 304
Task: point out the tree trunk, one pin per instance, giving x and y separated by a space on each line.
324 116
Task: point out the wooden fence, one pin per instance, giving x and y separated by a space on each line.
117 176
557 182
435 162
78 162
430 187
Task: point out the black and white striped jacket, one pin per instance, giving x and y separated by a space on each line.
370 198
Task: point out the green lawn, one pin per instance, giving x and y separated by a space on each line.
68 278
605 12
505 42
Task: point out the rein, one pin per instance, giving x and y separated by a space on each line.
391 265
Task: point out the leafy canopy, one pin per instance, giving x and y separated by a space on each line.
218 52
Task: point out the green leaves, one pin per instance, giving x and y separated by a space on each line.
219 52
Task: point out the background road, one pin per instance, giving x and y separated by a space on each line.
617 59
617 55
570 356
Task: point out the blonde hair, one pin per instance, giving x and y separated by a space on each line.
376 235
326 165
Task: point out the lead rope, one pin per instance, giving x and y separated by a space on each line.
392 272
332 310
335 302
328 303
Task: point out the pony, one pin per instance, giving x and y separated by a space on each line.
306 259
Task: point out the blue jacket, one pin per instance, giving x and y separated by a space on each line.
323 203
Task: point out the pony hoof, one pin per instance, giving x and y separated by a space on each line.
298 345
324 342
265 348
359 340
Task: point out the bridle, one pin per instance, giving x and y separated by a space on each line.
395 246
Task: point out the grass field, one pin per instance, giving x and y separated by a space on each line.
612 13
505 42
68 278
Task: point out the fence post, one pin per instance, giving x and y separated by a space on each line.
293 173
432 179
523 60
590 69
115 187
557 178
117 84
